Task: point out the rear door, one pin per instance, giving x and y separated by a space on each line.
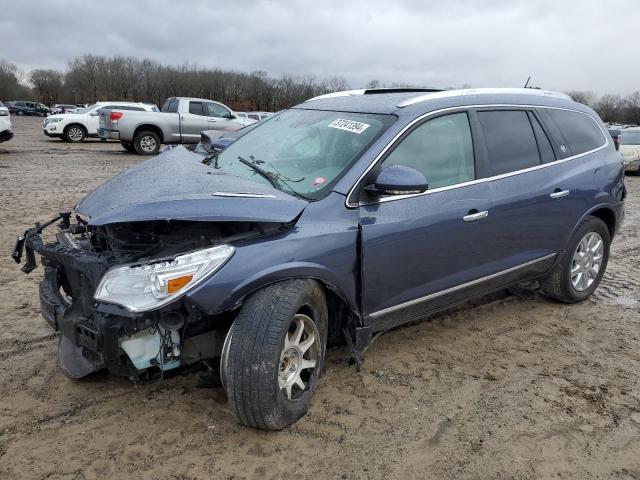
529 201
194 120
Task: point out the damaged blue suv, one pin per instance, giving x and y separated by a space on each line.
332 221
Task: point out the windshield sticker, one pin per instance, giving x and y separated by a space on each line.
349 125
318 181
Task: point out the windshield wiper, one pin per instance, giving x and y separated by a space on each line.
273 180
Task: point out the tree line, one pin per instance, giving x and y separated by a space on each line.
90 78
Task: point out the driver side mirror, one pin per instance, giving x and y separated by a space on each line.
398 180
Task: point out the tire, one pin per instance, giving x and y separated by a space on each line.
258 372
146 143
559 284
74 134
128 146
20 113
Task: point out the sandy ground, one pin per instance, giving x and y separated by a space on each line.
514 388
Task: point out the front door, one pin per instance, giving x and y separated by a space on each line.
421 251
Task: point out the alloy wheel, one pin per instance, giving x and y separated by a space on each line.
75 134
147 144
587 260
299 356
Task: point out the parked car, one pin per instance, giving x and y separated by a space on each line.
180 121
82 123
62 108
28 108
630 148
616 134
342 217
6 133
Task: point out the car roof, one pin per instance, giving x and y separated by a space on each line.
411 101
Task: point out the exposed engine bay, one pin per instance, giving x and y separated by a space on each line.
90 273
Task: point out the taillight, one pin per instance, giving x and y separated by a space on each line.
115 116
616 141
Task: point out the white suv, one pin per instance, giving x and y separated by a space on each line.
630 148
76 126
6 133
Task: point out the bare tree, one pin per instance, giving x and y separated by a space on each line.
584 97
47 85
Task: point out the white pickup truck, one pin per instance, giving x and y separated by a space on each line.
180 121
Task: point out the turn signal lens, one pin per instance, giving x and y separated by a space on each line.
176 284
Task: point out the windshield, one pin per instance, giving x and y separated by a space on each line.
630 138
302 152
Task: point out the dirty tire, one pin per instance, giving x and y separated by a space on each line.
128 146
20 113
74 134
146 143
256 346
557 284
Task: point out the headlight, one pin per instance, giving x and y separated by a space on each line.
140 287
53 120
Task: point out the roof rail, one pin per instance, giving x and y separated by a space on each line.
483 91
375 91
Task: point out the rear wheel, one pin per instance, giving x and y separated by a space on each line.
74 134
128 146
579 273
146 143
20 113
274 353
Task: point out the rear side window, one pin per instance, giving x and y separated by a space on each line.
196 108
441 149
510 141
630 137
170 106
544 145
126 107
579 130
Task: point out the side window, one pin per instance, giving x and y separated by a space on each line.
216 110
441 149
544 145
196 108
510 141
170 106
579 130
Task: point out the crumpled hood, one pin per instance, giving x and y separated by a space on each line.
177 186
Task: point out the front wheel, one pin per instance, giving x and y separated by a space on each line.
74 134
146 143
579 273
274 354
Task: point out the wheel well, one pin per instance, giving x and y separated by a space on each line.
149 128
608 217
340 315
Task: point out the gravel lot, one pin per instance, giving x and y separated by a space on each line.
515 387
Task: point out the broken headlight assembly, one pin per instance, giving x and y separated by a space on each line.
146 286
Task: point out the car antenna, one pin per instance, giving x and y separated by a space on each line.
527 82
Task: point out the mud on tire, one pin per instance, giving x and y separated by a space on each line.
256 365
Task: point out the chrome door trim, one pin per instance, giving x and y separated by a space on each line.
350 204
431 296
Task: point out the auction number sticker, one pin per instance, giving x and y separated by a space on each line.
349 125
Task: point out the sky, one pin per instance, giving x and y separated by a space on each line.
563 44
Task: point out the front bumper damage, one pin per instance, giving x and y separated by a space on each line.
96 336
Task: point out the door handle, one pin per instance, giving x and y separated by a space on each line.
559 193
470 217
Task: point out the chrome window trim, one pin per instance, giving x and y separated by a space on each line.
440 293
393 141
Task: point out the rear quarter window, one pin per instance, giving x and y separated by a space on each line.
580 131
